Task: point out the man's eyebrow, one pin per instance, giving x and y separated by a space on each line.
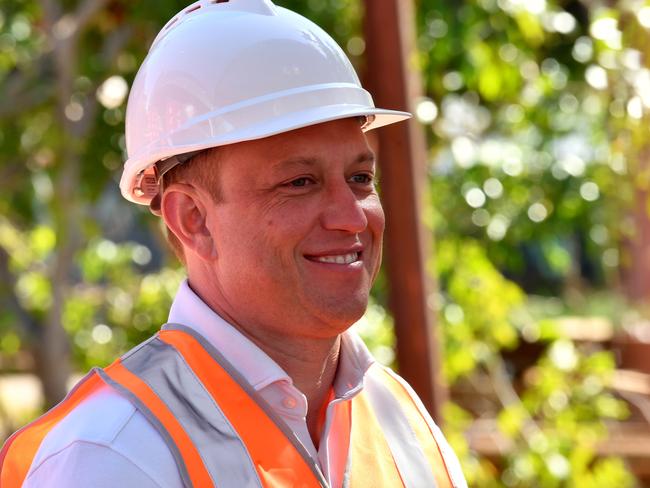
364 157
368 156
295 161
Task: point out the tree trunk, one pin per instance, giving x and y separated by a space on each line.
396 84
52 362
636 258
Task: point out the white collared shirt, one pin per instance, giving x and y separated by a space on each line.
275 385
106 442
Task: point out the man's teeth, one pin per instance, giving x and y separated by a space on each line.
339 259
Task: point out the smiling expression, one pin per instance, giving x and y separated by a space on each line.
297 230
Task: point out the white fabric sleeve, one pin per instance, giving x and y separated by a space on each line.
84 464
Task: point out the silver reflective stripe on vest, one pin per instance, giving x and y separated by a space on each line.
235 375
187 483
348 468
411 462
169 376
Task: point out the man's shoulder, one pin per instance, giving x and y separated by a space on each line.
99 418
104 426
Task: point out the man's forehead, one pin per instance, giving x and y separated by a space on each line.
340 139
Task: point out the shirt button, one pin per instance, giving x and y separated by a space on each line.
289 402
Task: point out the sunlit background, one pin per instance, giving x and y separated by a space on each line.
536 116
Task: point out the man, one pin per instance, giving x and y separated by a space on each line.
245 133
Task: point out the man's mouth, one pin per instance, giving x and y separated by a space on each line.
348 258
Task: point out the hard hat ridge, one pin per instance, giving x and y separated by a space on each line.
262 7
222 73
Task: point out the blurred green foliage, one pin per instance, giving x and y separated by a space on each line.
552 418
479 326
534 113
531 106
523 154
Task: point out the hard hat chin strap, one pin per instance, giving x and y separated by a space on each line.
150 183
168 164
154 205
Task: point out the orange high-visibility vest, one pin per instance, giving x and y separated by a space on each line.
222 433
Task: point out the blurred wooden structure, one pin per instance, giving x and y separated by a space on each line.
629 439
395 84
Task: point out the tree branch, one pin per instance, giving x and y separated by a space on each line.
28 325
86 11
23 102
51 13
110 50
114 44
20 91
508 397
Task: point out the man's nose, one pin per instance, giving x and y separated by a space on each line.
343 209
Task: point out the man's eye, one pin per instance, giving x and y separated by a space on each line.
363 179
300 182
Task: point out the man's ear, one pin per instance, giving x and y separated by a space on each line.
184 211
154 205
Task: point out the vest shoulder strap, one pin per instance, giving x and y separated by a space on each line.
235 433
434 448
20 449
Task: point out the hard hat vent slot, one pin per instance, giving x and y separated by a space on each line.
220 1
192 9
171 22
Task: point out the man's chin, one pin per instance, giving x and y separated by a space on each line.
340 314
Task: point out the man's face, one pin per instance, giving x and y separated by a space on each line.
297 231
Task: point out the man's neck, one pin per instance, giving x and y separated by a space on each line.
312 367
310 362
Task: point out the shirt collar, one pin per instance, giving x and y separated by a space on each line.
354 361
253 363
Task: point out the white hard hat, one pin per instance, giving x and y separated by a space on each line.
222 72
